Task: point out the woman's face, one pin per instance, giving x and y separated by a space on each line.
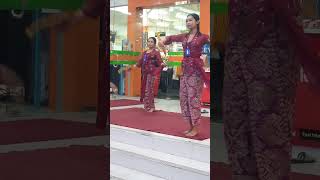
191 23
151 43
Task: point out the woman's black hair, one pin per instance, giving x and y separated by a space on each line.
197 18
154 39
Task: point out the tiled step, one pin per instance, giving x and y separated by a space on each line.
122 173
156 163
183 147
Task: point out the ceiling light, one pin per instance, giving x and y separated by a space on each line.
121 9
187 10
163 24
180 28
181 16
145 18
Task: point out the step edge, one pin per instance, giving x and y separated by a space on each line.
132 171
204 171
155 134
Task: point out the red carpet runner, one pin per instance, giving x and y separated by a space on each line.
124 102
221 171
161 122
71 163
24 131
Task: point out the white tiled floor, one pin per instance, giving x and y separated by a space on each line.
164 157
129 174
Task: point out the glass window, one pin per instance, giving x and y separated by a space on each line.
118 27
169 21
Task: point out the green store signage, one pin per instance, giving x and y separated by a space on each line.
131 53
217 8
124 62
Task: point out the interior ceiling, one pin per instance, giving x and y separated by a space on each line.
116 3
168 14
118 18
173 17
159 18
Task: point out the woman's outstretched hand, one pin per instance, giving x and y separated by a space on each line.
205 62
161 43
203 57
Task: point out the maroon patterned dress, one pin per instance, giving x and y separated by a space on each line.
149 62
261 71
192 79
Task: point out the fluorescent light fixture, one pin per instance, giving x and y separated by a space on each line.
121 9
160 11
187 10
145 18
158 15
180 28
153 16
163 24
116 3
181 16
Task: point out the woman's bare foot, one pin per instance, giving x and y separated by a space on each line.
190 128
151 110
193 132
187 131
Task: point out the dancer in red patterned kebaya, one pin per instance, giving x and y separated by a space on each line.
149 62
193 76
